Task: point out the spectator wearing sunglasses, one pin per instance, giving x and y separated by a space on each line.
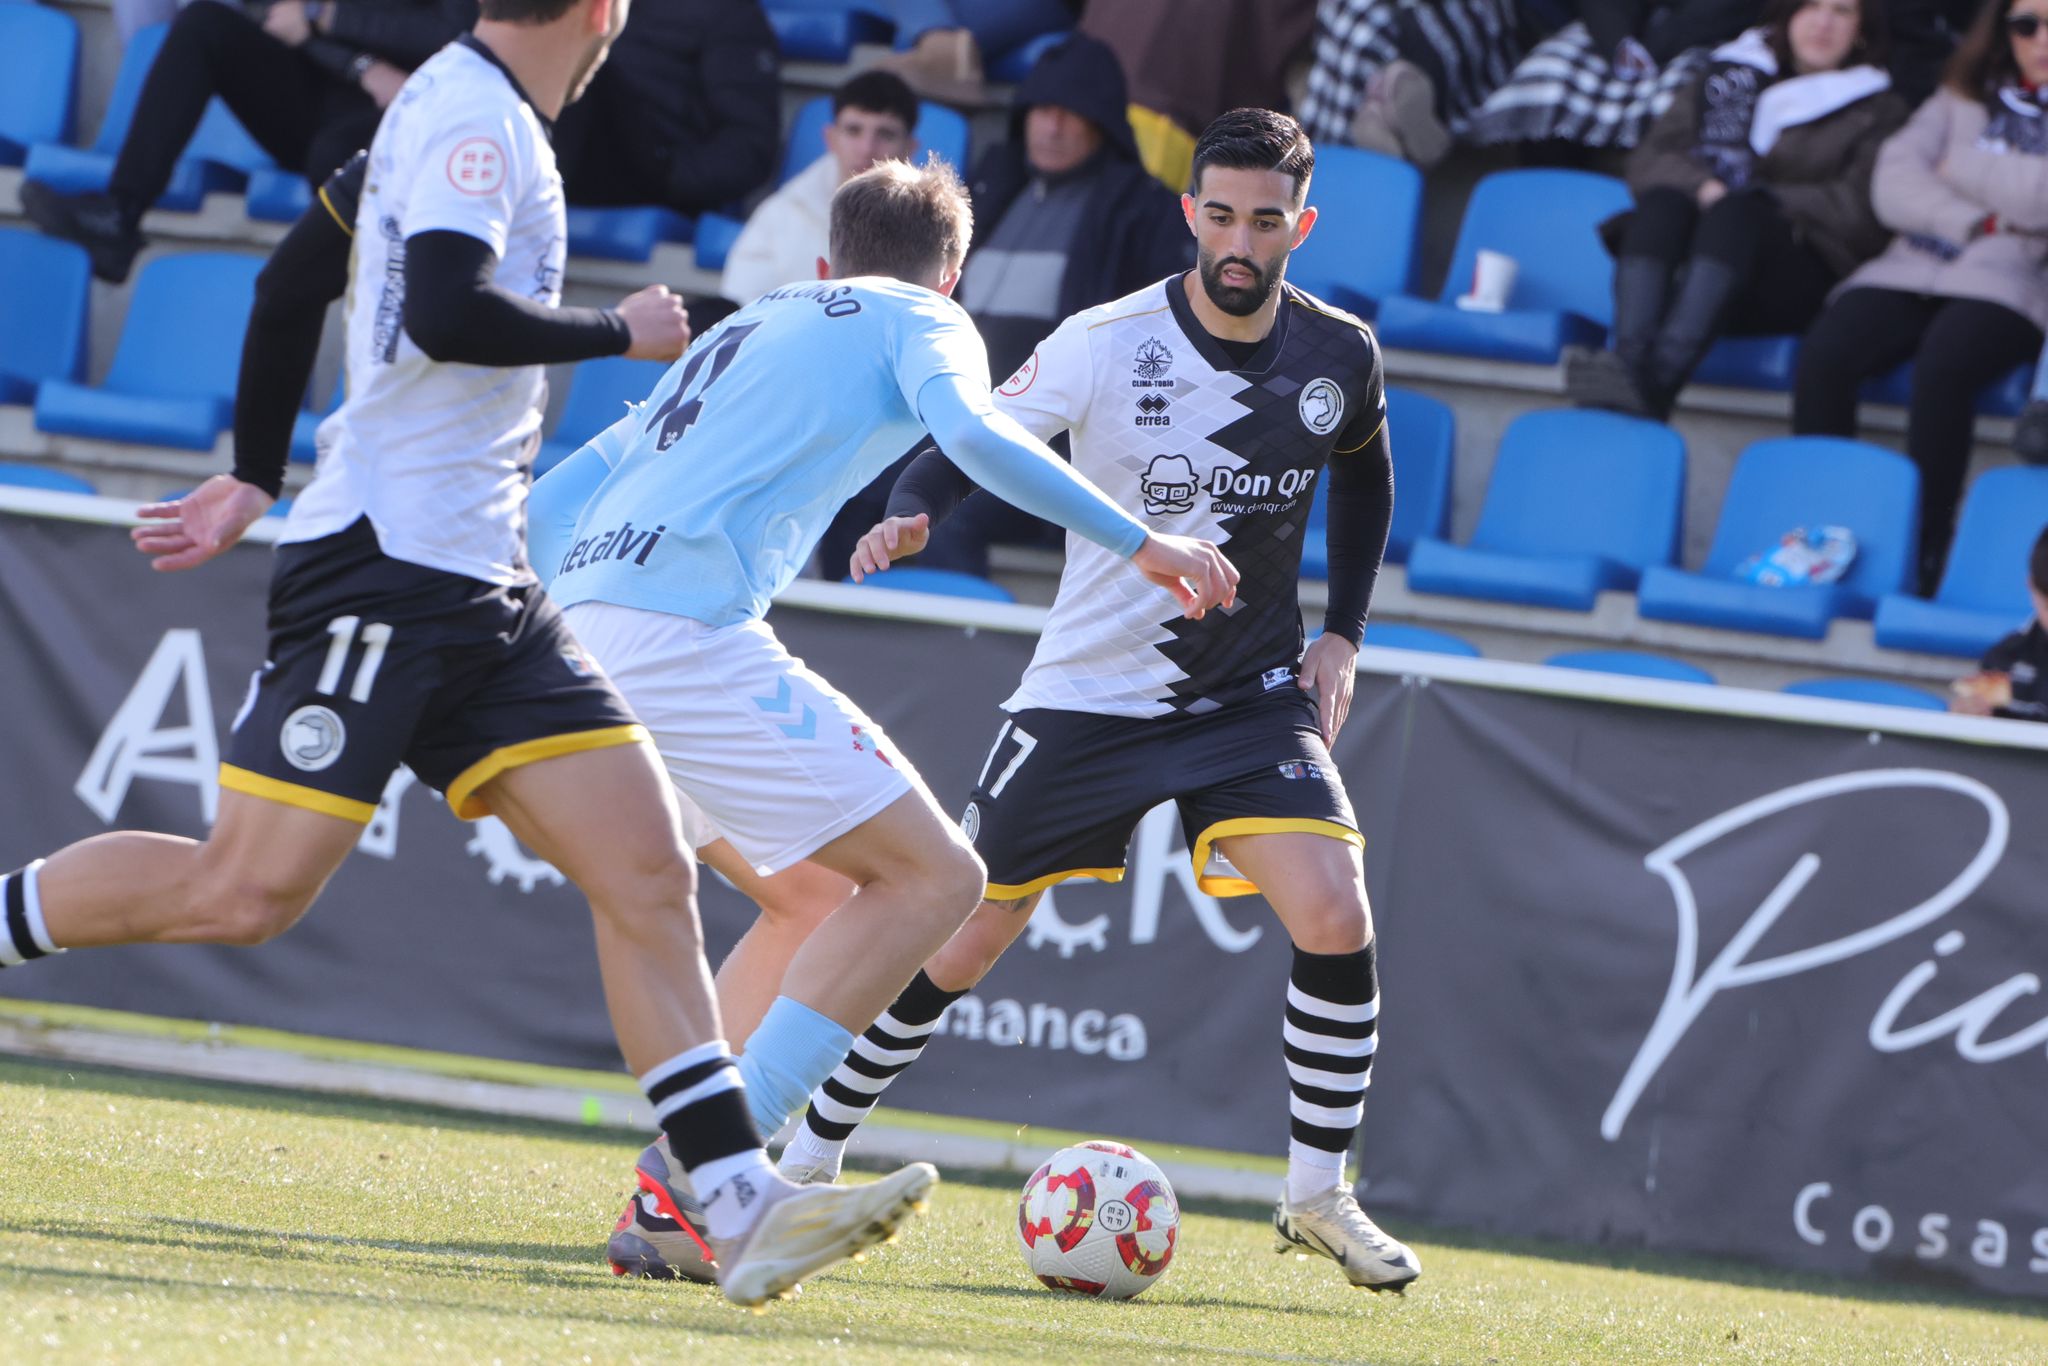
1961 291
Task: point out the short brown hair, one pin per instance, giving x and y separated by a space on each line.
909 222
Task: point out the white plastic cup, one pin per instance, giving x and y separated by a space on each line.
1493 282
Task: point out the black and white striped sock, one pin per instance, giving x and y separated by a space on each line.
702 1107
1332 1030
23 935
878 1057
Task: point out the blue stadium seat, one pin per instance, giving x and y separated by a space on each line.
2002 399
38 78
1397 635
1751 363
276 195
827 30
39 477
1364 249
305 449
939 129
173 379
1422 431
1878 690
47 286
1634 663
598 394
1983 593
1788 482
1579 501
627 234
220 156
950 583
1546 220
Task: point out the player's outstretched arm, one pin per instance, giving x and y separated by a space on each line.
997 453
185 533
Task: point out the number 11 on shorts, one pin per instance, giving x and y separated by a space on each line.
376 639
1026 742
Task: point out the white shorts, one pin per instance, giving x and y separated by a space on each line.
777 761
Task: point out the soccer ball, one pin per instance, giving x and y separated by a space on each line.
1098 1219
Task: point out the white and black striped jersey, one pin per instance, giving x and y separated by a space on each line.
1163 420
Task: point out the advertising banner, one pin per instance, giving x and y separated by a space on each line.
1675 979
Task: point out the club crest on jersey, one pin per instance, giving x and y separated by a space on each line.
1150 364
312 739
1300 768
1019 382
1321 405
1152 412
1169 485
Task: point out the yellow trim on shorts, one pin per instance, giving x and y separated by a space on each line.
1259 825
334 213
1005 891
296 794
462 798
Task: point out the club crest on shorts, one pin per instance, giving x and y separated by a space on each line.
970 822
1321 405
312 739
1300 768
1277 678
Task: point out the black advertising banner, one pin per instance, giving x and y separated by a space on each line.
1672 979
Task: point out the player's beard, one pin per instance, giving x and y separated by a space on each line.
587 72
1239 302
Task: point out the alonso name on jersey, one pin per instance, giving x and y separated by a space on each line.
1160 417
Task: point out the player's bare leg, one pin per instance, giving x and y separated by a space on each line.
887 1048
607 818
249 881
793 903
1316 885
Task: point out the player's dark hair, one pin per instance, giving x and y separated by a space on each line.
525 11
2037 565
1256 140
908 222
877 92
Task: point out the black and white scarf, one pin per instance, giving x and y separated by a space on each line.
1745 107
2016 123
1565 89
1473 42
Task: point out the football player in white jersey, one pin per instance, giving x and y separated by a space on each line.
406 627
1214 403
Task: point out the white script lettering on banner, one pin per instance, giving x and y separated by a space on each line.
137 743
1159 856
1691 990
1935 1236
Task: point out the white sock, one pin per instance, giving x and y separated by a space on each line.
730 1189
1311 1172
807 1150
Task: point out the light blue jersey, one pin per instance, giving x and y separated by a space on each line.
720 486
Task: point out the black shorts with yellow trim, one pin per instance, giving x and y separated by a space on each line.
1063 791
376 662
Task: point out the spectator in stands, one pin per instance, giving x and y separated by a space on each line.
1599 82
1404 76
1961 291
873 115
686 113
1065 218
942 46
308 79
1752 200
1240 58
2012 678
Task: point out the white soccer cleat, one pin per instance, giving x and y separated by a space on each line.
1332 1225
804 1229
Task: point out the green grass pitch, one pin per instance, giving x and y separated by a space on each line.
145 1219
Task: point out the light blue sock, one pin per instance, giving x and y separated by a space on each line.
789 1055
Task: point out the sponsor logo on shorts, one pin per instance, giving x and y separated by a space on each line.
970 822
1277 678
864 743
312 739
1321 405
580 662
1301 768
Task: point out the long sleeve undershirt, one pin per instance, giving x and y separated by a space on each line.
455 313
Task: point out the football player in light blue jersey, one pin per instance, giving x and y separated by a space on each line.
692 512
